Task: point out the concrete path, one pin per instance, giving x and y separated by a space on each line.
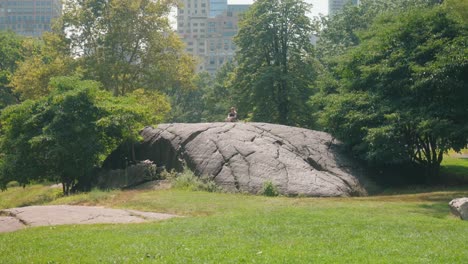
18 218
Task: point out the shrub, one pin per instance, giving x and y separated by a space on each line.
269 189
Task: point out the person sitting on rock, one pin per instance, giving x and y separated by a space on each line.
232 116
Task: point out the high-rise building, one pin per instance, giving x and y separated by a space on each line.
29 17
207 27
335 6
217 7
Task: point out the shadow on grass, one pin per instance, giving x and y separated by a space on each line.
455 169
443 197
455 174
436 210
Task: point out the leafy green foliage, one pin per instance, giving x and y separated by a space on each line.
127 44
61 137
269 189
188 104
459 9
220 96
275 63
209 100
340 31
187 180
401 93
11 52
46 58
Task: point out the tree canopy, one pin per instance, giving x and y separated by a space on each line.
11 52
401 94
45 58
275 61
63 136
126 44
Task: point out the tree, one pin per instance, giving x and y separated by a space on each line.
63 136
458 9
188 104
340 31
275 63
126 44
45 58
11 52
220 95
401 93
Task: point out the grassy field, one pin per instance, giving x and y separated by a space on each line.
236 228
455 167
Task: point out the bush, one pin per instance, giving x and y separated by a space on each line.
63 136
269 189
187 180
12 184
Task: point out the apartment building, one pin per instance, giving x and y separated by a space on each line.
335 6
207 27
29 17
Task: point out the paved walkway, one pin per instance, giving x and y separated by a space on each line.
18 218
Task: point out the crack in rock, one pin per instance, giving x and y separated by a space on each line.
300 160
14 215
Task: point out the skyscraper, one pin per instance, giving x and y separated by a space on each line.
29 17
335 6
207 28
217 7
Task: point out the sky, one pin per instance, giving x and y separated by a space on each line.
318 6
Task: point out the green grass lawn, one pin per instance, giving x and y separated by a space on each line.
455 168
236 228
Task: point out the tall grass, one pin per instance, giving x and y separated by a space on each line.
30 195
454 168
188 181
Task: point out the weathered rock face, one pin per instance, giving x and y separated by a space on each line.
459 207
241 157
17 218
132 175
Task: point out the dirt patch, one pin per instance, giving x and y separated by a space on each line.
31 216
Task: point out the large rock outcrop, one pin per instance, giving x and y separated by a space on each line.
241 157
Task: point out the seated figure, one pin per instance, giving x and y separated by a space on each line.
232 116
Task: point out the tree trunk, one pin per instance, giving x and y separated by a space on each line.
432 159
283 103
